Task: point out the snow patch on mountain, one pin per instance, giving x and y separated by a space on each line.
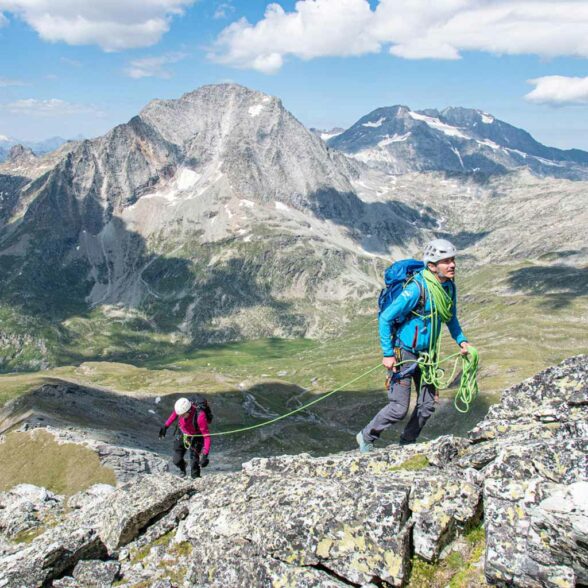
491 144
436 124
375 124
256 110
458 155
487 119
187 178
329 135
393 139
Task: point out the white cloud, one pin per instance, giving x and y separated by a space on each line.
559 90
111 24
153 67
224 10
48 108
316 28
409 29
6 82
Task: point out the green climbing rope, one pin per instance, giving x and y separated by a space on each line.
468 385
297 410
432 373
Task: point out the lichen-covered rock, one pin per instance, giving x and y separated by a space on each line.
550 404
240 563
542 447
96 574
49 556
441 506
25 508
90 574
356 528
134 505
558 533
90 496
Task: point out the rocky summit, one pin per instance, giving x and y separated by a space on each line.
348 519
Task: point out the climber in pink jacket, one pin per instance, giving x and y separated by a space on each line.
192 434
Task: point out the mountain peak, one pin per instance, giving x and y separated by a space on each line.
455 139
20 154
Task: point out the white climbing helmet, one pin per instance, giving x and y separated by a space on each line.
438 249
182 405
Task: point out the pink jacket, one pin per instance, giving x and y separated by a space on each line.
186 425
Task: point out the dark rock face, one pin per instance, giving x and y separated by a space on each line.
462 140
346 519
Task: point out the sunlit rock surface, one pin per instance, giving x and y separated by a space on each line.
345 519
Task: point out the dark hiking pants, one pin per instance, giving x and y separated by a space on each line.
397 407
195 446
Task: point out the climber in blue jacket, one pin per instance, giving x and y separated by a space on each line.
412 314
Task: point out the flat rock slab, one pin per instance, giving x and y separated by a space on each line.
134 505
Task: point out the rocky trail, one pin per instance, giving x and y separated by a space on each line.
341 520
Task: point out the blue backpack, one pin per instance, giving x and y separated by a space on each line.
396 277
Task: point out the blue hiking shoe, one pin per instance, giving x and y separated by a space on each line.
364 446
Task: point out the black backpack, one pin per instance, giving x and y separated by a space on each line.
201 404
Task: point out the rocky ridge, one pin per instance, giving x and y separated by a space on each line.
342 520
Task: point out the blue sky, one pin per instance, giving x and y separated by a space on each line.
68 67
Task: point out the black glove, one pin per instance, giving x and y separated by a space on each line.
204 461
162 432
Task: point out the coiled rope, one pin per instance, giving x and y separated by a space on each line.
432 373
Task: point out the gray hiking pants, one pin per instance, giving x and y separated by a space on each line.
399 400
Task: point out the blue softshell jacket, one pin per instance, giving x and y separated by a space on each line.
414 334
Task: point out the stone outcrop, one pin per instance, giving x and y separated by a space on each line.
346 519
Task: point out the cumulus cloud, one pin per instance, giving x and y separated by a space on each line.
153 67
559 90
47 108
316 28
111 24
406 28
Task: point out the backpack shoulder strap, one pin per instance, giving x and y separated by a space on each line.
420 305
